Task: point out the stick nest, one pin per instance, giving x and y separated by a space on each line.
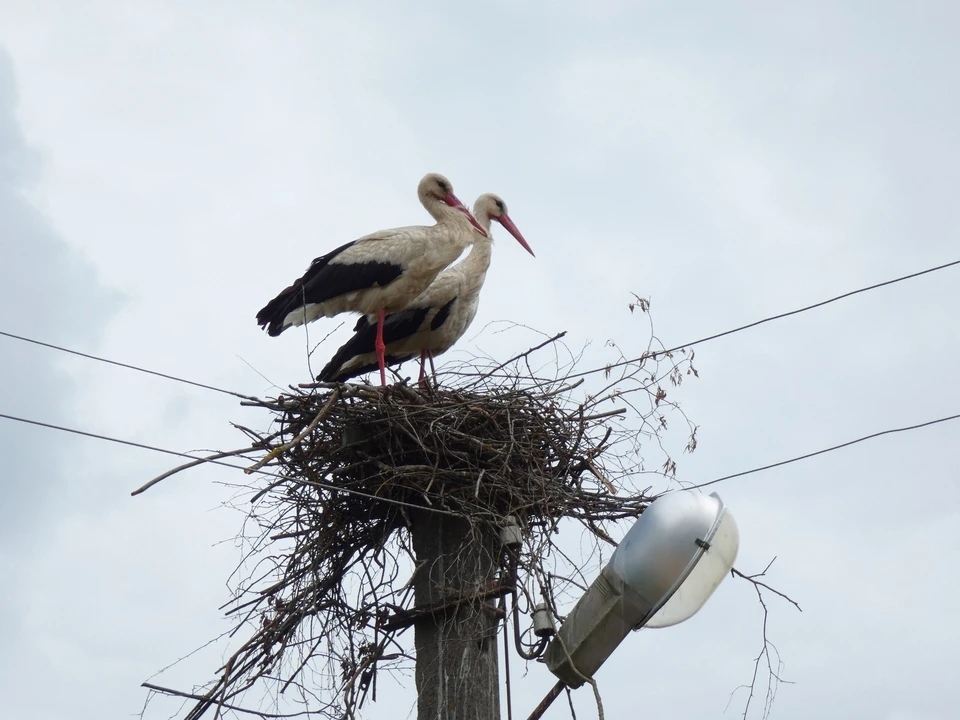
350 466
464 451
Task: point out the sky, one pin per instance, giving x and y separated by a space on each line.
167 167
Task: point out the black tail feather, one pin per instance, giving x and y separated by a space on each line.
396 327
272 315
362 342
333 376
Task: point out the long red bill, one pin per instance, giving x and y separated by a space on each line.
512 229
453 201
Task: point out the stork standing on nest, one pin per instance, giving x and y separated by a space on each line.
380 273
437 319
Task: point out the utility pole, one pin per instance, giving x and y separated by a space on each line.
456 667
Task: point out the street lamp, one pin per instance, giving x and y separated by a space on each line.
667 566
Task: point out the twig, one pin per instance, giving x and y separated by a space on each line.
753 579
228 706
600 476
193 463
334 396
228 669
527 353
773 677
611 413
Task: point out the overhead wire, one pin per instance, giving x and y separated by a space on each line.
715 336
125 365
683 346
213 461
605 368
826 450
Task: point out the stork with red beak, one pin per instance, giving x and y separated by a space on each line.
434 321
380 273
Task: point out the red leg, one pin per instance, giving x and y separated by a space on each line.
423 368
433 370
380 349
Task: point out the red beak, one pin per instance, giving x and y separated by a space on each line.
453 201
512 229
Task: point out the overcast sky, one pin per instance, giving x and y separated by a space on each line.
166 167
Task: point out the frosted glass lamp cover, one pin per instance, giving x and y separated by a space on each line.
667 566
677 553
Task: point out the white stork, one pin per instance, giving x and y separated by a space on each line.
381 272
432 323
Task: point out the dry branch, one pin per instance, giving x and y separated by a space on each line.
326 591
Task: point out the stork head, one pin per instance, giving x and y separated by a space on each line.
492 207
435 191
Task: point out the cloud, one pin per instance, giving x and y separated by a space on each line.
50 293
730 162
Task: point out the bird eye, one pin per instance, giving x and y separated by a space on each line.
500 205
443 186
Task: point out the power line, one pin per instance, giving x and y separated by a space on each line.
98 437
605 368
212 461
125 365
829 449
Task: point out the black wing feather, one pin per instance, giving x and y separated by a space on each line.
442 314
391 360
322 282
396 326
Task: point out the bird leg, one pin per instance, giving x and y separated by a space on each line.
433 370
380 349
423 368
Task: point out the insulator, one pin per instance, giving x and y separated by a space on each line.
510 534
543 621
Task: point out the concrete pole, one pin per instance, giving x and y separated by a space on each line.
456 667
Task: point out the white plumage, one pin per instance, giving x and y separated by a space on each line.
382 272
433 322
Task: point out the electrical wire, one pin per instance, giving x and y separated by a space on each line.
658 353
205 386
826 450
165 451
212 461
574 375
605 368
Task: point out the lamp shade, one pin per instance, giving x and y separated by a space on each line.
677 553
667 566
